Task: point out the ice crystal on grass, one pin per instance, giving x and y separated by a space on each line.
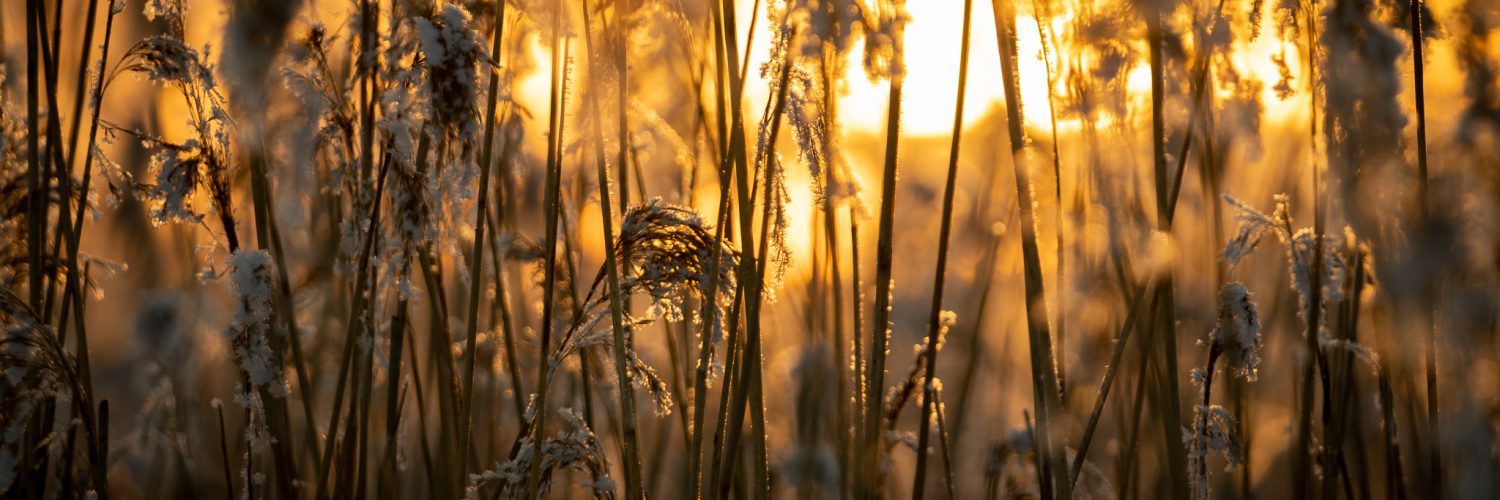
1237 334
573 447
1301 246
1214 431
170 12
669 250
453 52
664 252
179 171
36 372
1010 471
165 59
183 169
253 283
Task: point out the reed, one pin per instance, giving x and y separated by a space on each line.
357 226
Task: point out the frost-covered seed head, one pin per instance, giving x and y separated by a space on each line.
253 284
1237 334
453 51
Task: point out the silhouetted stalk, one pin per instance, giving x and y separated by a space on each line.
549 279
224 451
620 303
710 312
750 278
1052 461
1435 459
361 295
1133 308
1395 473
857 316
1208 385
847 415
65 226
939 274
394 399
1163 299
733 357
942 422
1199 111
1310 335
53 167
476 261
502 306
870 448
1302 462
1044 33
73 229
631 460
37 211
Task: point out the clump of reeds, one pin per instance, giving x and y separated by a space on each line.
575 447
1237 339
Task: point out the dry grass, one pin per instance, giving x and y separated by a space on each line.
633 248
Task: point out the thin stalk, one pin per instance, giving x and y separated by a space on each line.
942 423
870 447
502 304
976 346
710 313
631 451
732 378
856 310
549 279
1302 462
939 274
74 230
36 214
846 415
1165 315
1201 472
394 399
476 262
1115 359
620 303
65 226
1044 33
356 315
1435 459
750 277
224 453
416 382
1044 376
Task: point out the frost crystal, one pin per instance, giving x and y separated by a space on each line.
574 447
1237 334
1214 430
253 283
453 51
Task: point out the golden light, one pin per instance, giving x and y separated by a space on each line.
933 38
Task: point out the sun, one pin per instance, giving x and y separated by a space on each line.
932 46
